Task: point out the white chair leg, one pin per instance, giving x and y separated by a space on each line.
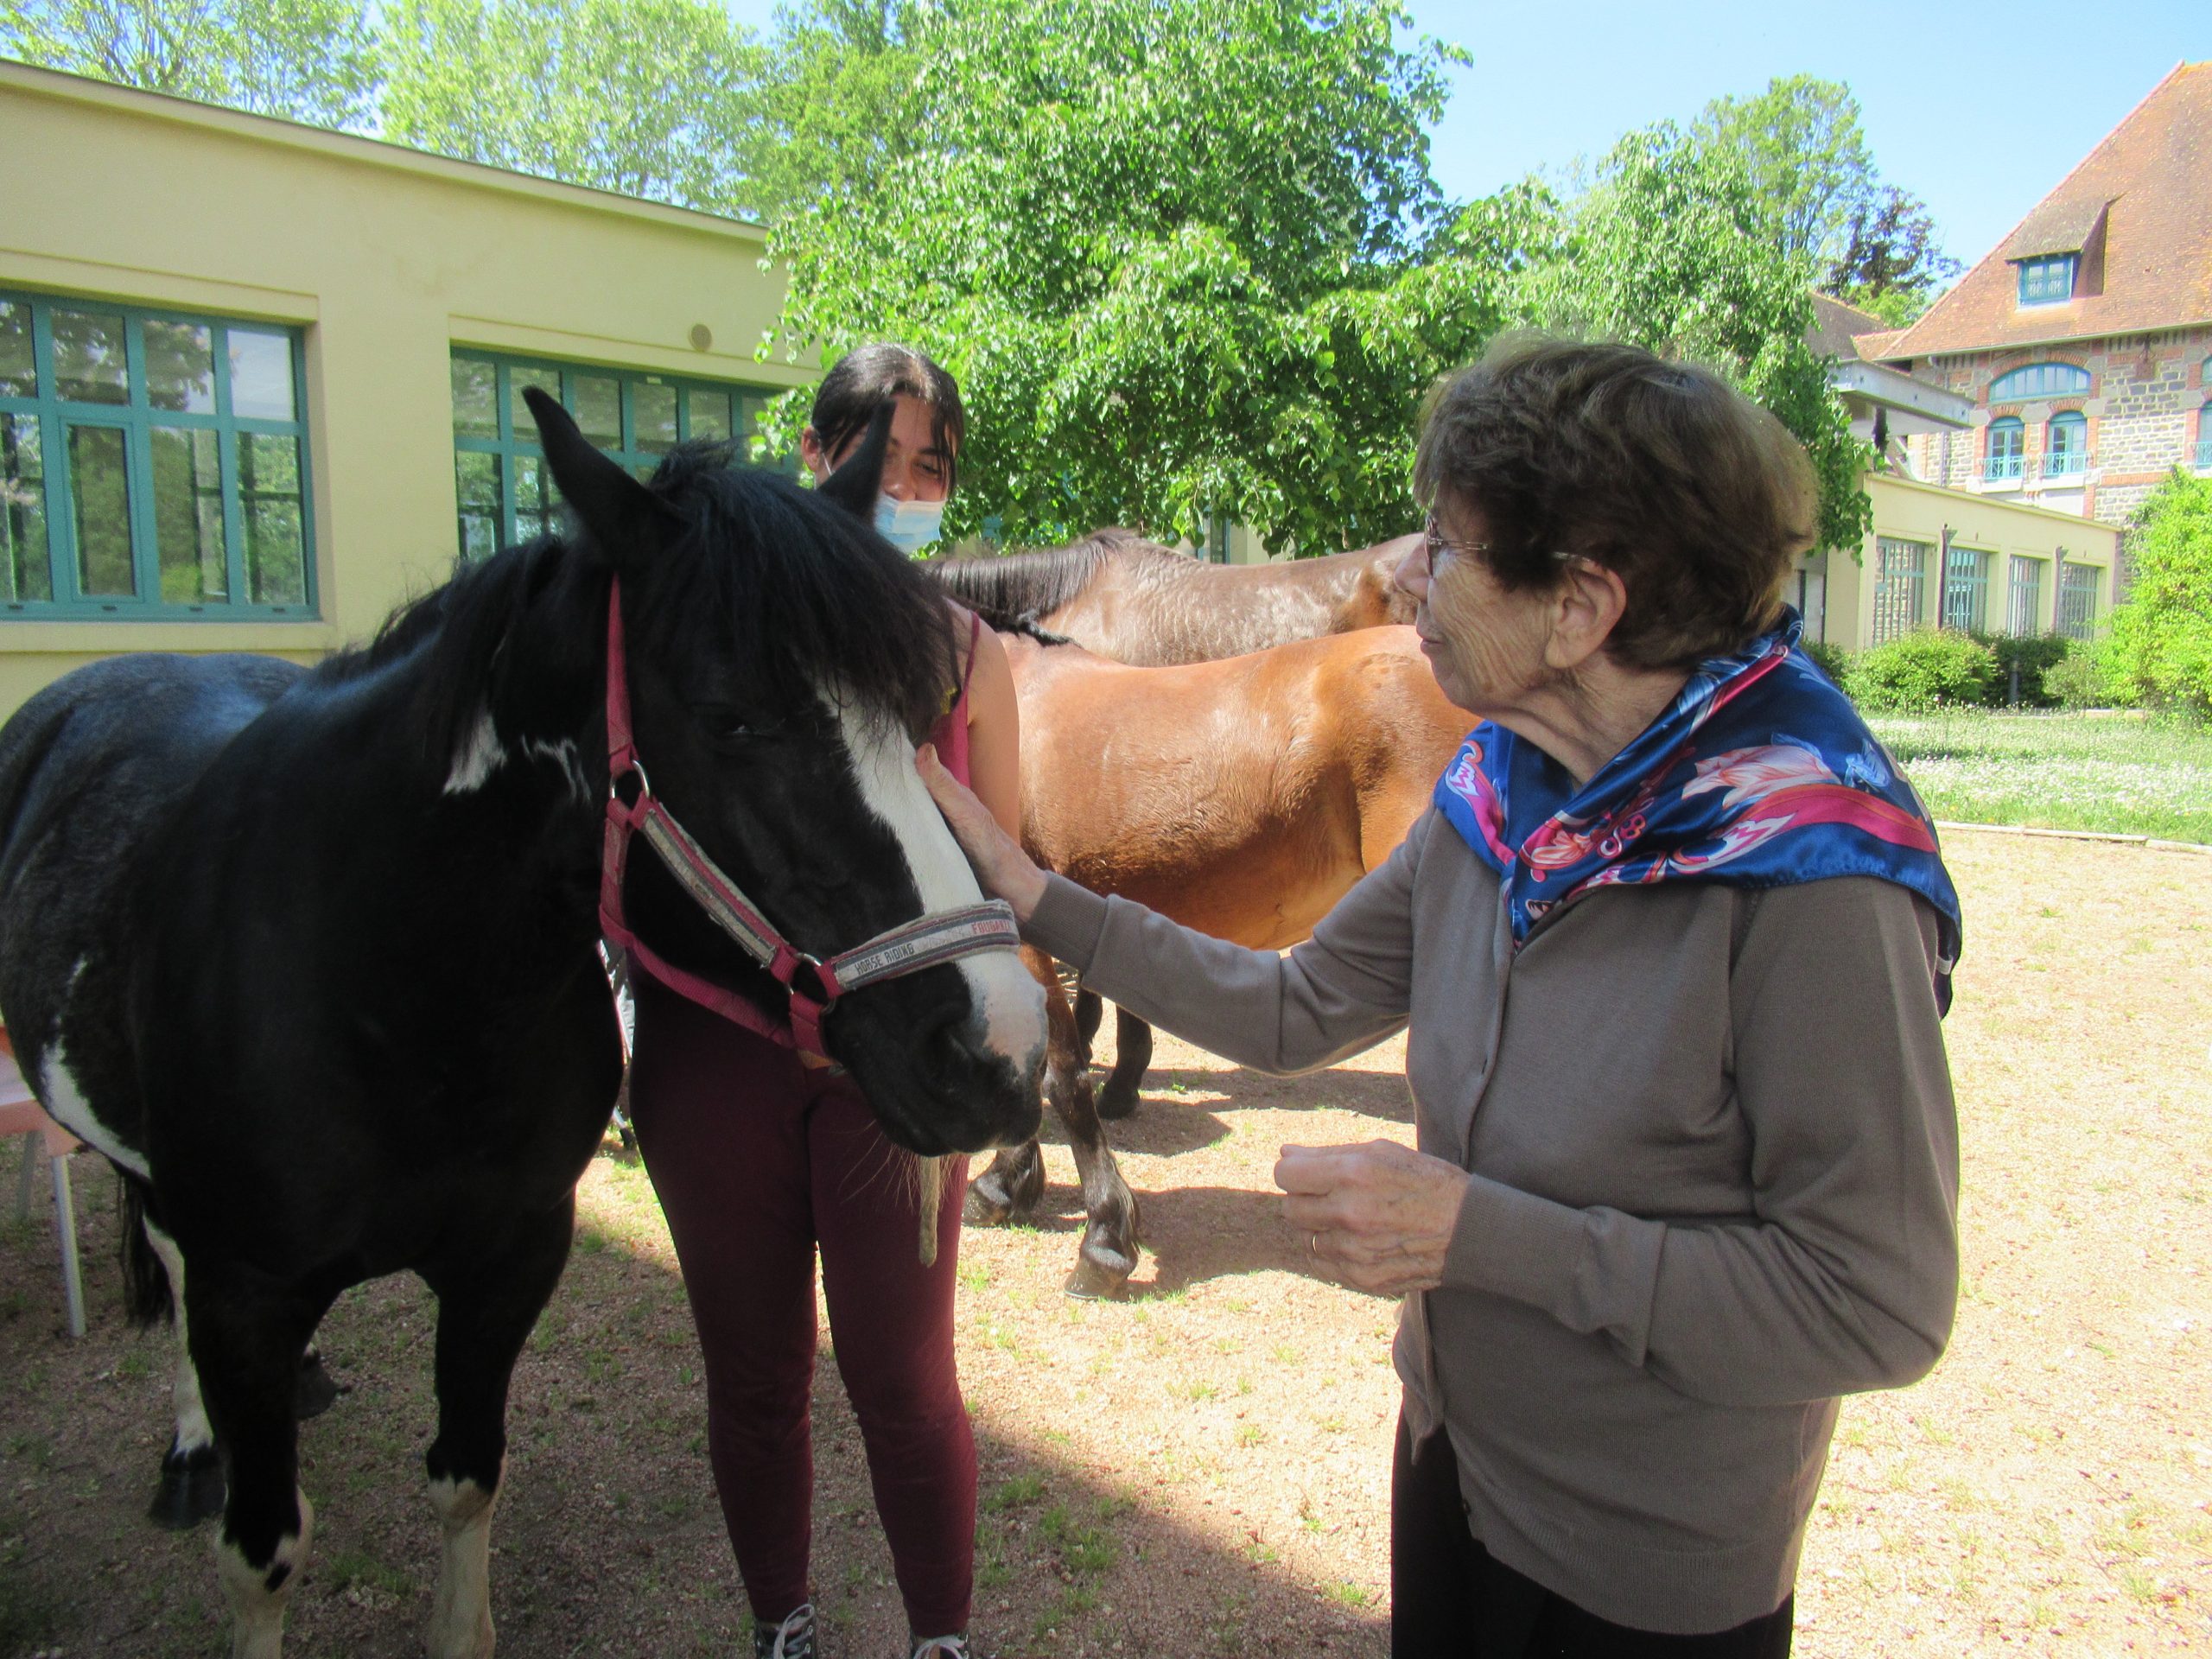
32 1142
64 1220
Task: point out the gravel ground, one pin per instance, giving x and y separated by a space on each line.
1204 1467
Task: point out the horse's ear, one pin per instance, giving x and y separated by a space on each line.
619 512
855 485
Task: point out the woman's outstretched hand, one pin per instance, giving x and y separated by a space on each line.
1379 1217
1001 867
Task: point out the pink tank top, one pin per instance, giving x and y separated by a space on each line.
950 731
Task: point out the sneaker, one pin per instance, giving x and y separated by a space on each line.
792 1639
940 1647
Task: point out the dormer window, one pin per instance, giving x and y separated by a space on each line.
2048 280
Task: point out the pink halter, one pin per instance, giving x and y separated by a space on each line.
923 942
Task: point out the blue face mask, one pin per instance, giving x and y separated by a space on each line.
909 526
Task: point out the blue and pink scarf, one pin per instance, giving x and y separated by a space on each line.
1761 774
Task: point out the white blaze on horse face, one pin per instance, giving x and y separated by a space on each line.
1009 1007
66 1104
193 1432
461 1618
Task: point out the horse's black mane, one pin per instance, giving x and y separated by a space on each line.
1010 587
760 572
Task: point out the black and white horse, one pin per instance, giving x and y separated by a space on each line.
311 955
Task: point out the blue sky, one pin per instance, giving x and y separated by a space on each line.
1978 108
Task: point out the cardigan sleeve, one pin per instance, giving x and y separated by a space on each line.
1846 1275
1344 989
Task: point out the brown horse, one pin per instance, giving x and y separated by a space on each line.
1145 605
1242 797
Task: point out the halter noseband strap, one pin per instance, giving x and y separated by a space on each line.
925 941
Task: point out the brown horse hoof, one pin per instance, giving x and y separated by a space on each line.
978 1211
192 1489
1094 1281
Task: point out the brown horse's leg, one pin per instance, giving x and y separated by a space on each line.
1089 1009
1109 1253
1009 1188
1132 1056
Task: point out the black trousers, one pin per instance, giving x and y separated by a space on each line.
1451 1600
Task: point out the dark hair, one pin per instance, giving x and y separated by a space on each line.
867 376
1661 472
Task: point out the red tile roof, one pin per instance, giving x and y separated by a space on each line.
2139 209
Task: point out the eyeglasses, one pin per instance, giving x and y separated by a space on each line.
1434 541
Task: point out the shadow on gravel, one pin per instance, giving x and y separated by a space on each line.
608 1539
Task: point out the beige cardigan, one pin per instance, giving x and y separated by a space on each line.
1715 1177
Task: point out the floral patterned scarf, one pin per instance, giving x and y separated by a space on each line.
1761 774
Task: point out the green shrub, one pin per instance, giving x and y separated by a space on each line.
2162 636
1832 660
2035 654
2089 676
1926 670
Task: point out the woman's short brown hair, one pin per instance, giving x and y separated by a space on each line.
1663 471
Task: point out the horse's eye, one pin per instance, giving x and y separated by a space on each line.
726 723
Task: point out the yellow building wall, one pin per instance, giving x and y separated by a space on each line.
1907 510
386 259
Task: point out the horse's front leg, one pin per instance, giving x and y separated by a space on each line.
487 1306
1132 1058
247 1336
1108 1252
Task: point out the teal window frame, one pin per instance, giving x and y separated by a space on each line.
137 419
2075 613
2024 594
1900 586
2049 280
2068 458
1965 587
517 440
2007 450
2204 430
2039 380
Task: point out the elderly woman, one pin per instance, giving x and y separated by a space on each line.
1671 947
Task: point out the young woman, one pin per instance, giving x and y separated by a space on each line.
763 1158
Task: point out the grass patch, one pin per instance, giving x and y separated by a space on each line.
2122 776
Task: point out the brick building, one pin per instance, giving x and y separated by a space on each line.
2083 341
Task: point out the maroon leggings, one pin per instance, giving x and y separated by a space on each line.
758 1160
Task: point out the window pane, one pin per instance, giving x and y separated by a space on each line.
99 505
188 515
654 409
18 368
180 366
26 574
534 504
268 511
709 412
475 399
476 481
519 380
261 375
599 409
89 363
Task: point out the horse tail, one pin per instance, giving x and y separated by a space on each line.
147 1294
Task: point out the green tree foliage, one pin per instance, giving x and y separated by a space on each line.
837 103
2162 635
307 59
1872 244
1801 143
639 96
1170 249
1928 668
1671 249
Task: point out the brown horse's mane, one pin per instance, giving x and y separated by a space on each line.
1007 589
